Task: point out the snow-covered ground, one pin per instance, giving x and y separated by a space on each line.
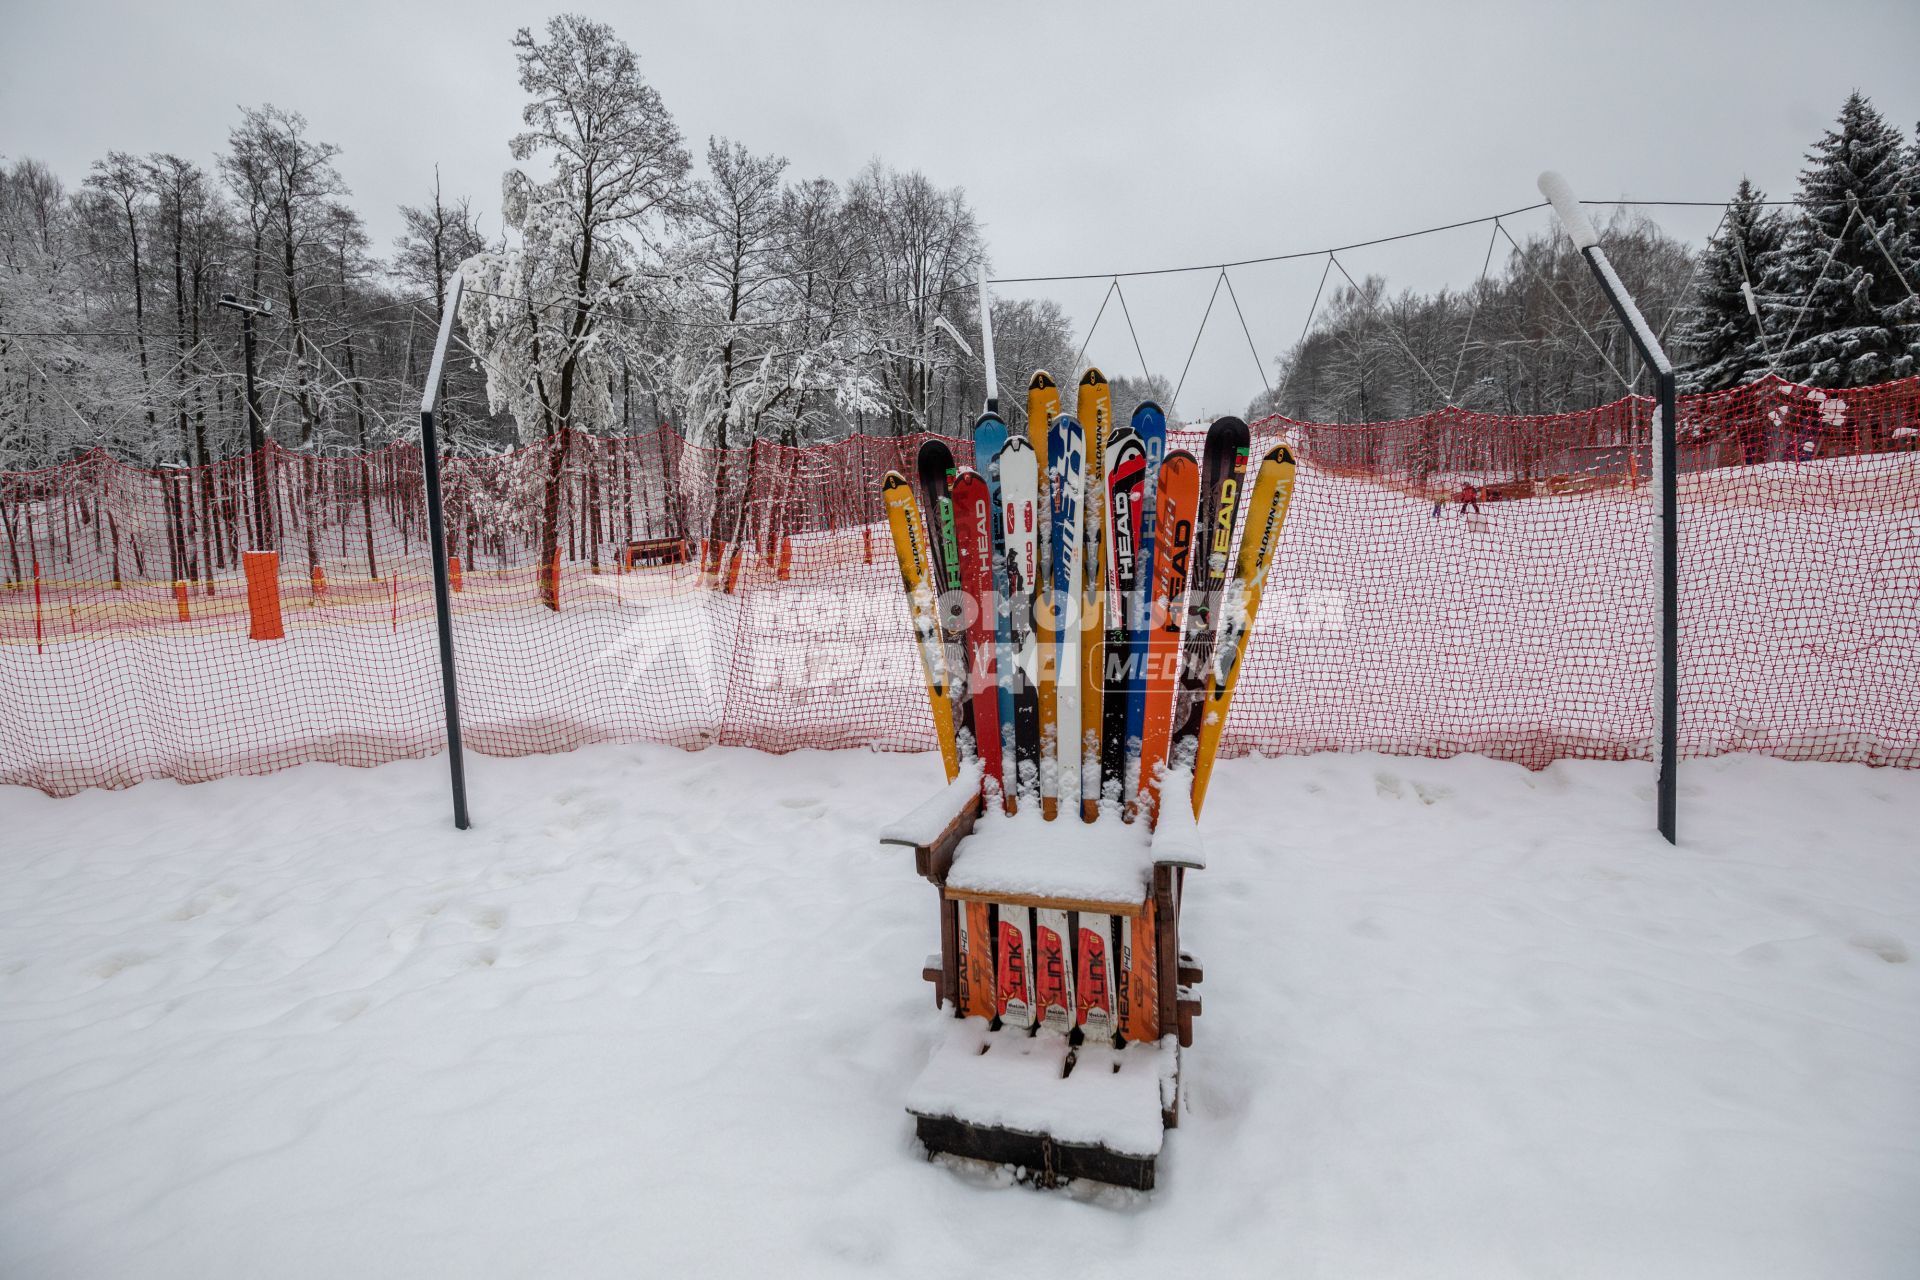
657 1012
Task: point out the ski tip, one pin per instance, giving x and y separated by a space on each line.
1179 455
985 418
1041 381
1093 378
892 480
935 449
1148 410
1228 423
1281 454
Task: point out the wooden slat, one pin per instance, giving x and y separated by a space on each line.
1093 905
933 861
1166 941
1048 1163
950 955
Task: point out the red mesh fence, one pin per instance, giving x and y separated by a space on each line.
1455 582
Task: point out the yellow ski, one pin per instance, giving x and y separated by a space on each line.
1043 405
1266 513
910 545
1096 419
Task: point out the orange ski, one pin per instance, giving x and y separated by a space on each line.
977 995
1178 500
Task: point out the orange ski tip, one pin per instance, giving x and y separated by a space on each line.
1041 381
1093 378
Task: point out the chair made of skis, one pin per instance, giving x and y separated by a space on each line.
1060 937
1084 1095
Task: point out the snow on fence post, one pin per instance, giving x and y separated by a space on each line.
1580 230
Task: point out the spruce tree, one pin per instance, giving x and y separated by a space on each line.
1724 346
1859 324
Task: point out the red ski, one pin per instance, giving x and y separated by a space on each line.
973 528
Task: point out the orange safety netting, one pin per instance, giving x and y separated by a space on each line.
1454 582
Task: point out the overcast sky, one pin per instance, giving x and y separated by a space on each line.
1091 138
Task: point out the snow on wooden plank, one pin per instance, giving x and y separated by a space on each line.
1023 856
1176 834
1013 1080
931 818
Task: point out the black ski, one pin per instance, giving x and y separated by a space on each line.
936 479
1126 484
1220 486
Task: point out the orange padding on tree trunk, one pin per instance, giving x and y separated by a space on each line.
180 600
263 596
454 578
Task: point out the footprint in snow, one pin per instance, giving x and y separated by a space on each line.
1884 945
862 1242
117 964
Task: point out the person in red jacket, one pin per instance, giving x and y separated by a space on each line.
1469 499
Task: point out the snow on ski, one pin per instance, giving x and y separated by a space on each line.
1019 505
1125 461
1225 465
1266 514
973 526
1066 475
1150 424
1176 501
1013 965
1139 992
1053 970
989 438
975 946
1093 985
916 575
1043 402
935 464
1096 420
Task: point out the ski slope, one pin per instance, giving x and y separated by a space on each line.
657 1012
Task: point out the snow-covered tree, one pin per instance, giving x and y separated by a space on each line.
1851 319
288 182
921 251
535 308
1722 344
617 169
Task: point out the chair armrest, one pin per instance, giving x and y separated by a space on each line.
1176 833
935 827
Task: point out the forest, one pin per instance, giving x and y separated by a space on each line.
633 279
